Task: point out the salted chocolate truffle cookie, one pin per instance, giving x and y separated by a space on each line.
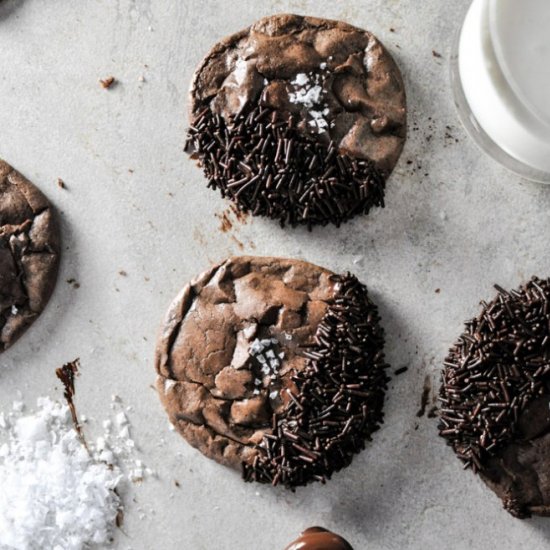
29 254
274 367
298 119
495 397
317 538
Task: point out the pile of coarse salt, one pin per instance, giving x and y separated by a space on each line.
307 90
56 493
265 353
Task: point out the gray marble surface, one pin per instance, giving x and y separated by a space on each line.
454 221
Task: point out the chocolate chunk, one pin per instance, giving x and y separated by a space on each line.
495 397
274 367
298 119
29 254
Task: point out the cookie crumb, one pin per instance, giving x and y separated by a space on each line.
436 54
61 184
73 282
123 273
106 83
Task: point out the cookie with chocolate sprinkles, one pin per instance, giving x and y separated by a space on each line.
495 397
29 254
273 367
298 119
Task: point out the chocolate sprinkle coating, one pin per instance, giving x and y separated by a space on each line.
497 368
338 400
267 167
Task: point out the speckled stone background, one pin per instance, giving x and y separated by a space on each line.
454 221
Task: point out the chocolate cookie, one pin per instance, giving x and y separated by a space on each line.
495 397
317 538
298 119
29 254
274 367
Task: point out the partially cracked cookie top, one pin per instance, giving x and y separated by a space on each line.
253 339
29 254
335 85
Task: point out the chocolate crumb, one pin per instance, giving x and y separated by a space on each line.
73 283
436 54
400 370
60 183
107 82
425 398
432 413
437 290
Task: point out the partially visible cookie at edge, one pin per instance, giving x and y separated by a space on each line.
256 352
29 254
495 397
299 119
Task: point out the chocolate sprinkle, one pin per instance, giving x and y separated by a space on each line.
339 397
494 371
262 162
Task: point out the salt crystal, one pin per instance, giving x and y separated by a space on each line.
256 391
240 71
274 364
250 330
323 66
273 394
301 79
261 359
121 419
270 354
168 385
54 493
124 432
266 342
256 347
14 310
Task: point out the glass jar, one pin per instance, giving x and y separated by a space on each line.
500 71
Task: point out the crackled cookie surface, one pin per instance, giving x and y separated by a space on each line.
495 397
274 367
299 119
29 254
